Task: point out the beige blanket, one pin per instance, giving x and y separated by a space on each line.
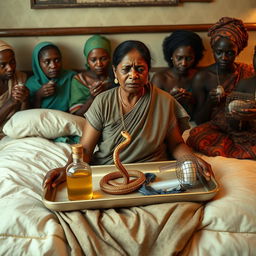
162 229
224 226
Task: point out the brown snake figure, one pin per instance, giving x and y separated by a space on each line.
109 186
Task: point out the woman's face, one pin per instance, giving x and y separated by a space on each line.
98 61
132 72
7 64
183 58
225 52
50 62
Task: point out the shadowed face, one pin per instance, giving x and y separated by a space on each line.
50 62
183 58
7 64
225 52
132 72
98 61
254 60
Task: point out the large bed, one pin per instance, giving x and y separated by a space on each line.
226 225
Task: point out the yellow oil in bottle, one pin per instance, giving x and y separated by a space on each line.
79 185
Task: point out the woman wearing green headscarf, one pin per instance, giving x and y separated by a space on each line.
50 85
95 79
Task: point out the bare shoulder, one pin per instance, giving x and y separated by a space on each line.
203 77
204 72
161 78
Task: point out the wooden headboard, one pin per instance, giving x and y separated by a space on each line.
67 31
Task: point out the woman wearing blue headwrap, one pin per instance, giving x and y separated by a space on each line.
50 85
95 79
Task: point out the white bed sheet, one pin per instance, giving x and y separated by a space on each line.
27 227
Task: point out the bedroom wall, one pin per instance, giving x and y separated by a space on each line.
18 14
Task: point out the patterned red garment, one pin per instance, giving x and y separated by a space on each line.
216 137
209 140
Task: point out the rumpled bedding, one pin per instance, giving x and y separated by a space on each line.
225 225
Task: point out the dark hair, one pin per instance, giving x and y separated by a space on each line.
125 47
47 47
182 38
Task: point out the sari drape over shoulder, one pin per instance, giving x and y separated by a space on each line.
149 123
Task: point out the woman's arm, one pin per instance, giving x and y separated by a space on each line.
179 149
7 108
82 110
89 140
204 104
17 101
158 80
80 93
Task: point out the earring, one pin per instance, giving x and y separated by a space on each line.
116 81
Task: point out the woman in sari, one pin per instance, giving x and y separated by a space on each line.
13 93
146 112
95 79
50 85
213 84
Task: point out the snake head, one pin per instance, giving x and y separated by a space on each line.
126 135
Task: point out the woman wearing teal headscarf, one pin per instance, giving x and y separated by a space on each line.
95 79
50 85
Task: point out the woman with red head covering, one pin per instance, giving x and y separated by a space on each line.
213 84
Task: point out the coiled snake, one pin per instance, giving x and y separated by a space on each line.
127 186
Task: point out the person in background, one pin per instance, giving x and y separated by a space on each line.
241 115
50 85
249 85
14 96
137 107
182 50
214 83
95 79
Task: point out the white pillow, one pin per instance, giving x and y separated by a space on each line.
46 123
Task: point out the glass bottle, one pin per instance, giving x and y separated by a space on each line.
79 176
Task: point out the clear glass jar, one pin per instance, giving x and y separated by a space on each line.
79 176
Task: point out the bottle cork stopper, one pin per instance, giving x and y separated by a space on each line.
77 148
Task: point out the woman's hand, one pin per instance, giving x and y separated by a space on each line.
177 92
54 177
47 89
204 169
215 97
97 88
182 95
20 93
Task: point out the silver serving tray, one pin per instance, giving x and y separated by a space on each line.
56 199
